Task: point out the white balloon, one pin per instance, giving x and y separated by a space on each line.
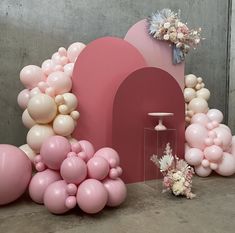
189 94
204 93
28 151
190 80
198 105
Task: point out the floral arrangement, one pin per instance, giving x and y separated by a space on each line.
177 173
166 25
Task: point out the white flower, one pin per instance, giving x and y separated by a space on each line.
166 37
180 24
177 176
180 35
165 162
178 188
166 25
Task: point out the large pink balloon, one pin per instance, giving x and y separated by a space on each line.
74 50
31 75
23 98
48 66
54 150
40 182
213 153
60 81
227 165
215 115
202 171
110 155
88 148
15 173
91 196
194 156
225 136
195 135
200 118
55 197
98 168
116 191
73 170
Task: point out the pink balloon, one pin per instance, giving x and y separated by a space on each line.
59 59
194 156
225 136
48 66
202 171
74 50
60 81
200 118
40 182
195 135
227 165
92 196
116 191
54 150
186 147
68 69
55 197
213 153
23 98
215 115
98 168
15 173
73 170
31 75
110 155
88 148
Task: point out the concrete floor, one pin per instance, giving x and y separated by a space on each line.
146 210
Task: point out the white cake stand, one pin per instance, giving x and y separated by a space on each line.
160 126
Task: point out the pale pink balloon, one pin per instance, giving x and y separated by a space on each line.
194 156
98 168
40 182
88 148
195 135
213 153
35 91
59 59
227 165
68 69
205 163
226 127
110 155
23 98
55 197
202 171
15 173
215 115
63 125
116 191
92 196
37 135
186 147
225 136
74 50
73 170
48 67
200 118
31 75
60 81
27 119
54 150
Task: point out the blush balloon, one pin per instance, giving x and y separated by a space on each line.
74 50
68 69
194 156
213 153
48 66
40 182
227 165
88 148
215 115
23 98
200 118
225 136
202 171
98 168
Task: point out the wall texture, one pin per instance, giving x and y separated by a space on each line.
31 30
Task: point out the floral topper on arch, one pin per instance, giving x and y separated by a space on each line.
166 25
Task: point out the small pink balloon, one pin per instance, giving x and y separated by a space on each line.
31 75
60 81
119 170
92 196
215 115
217 142
55 197
73 170
225 136
72 189
195 135
88 148
54 150
40 182
200 118
68 69
98 168
40 166
215 124
213 166
212 134
15 173
59 59
74 50
110 155
205 163
113 173
194 156
70 202
202 171
210 126
227 165
213 153
76 147
23 98
48 67
208 141
116 191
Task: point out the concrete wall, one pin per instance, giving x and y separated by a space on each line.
31 30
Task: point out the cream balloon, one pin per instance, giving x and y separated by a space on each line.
28 151
69 101
198 105
190 80
203 93
42 108
189 94
63 125
37 134
27 119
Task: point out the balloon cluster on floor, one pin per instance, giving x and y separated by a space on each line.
210 145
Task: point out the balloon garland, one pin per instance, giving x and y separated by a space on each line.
210 145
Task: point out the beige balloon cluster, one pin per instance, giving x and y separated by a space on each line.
195 96
49 107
